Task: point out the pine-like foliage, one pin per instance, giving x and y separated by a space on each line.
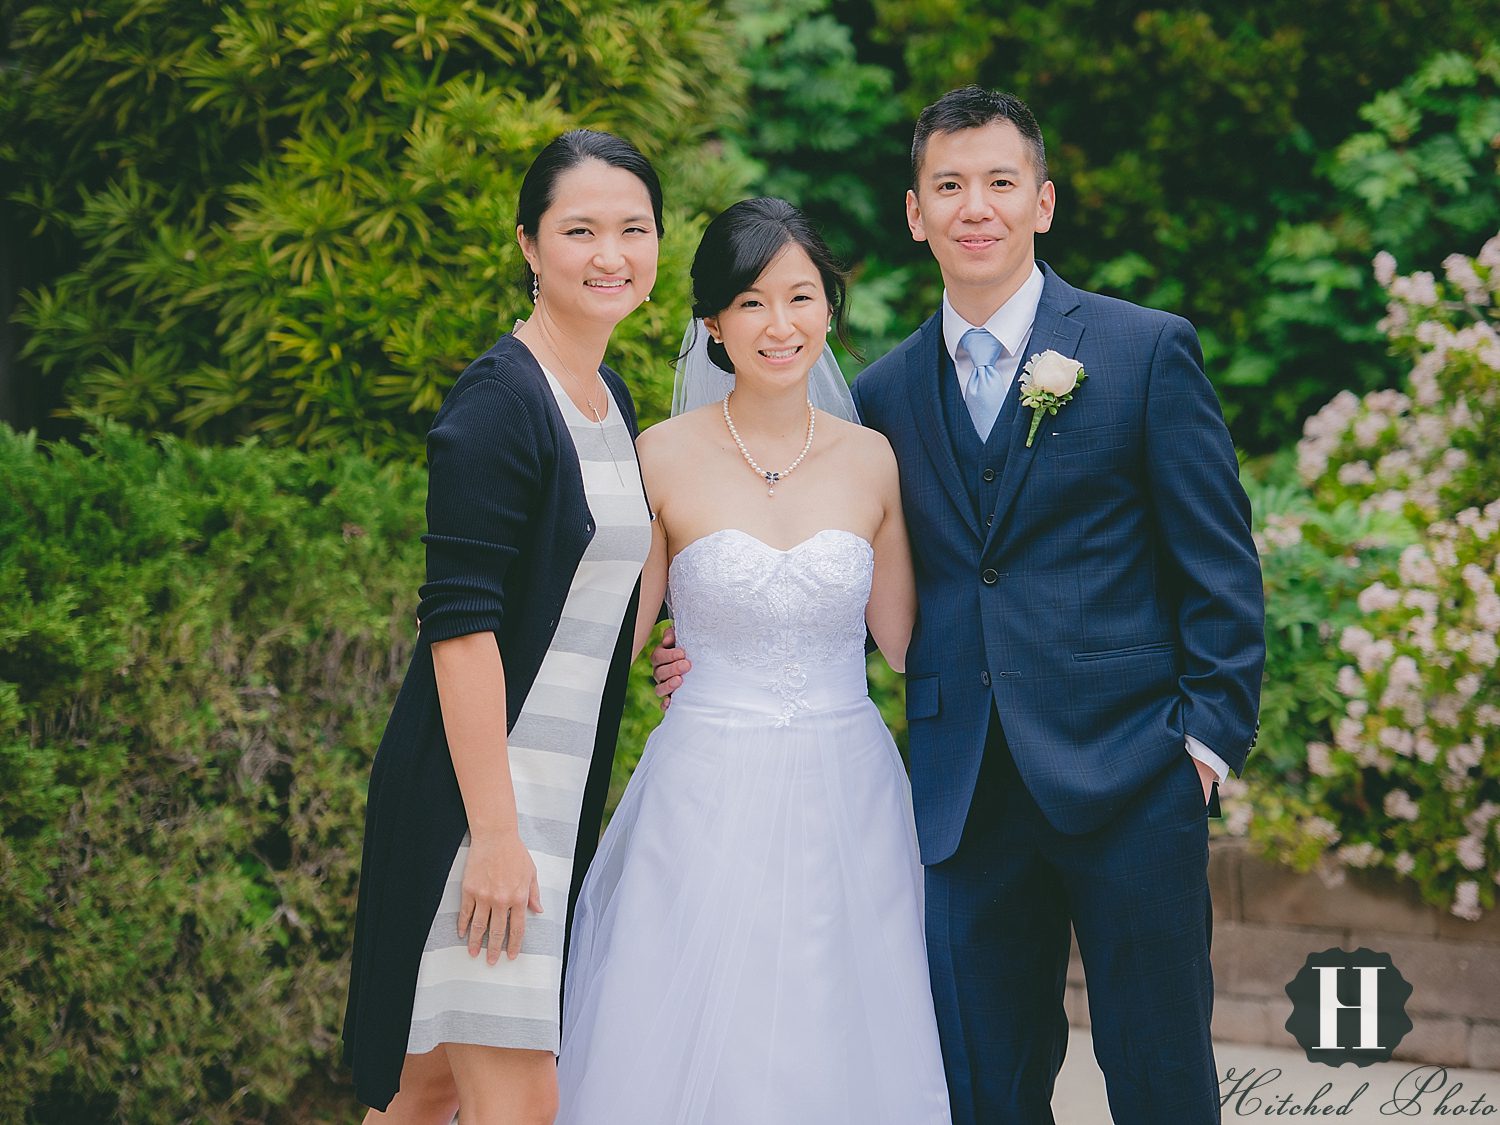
294 218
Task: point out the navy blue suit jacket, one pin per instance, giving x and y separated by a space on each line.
1112 602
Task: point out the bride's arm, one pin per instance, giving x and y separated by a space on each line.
893 594
653 588
656 477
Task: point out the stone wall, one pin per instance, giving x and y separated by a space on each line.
1267 919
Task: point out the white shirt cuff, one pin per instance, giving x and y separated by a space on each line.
1208 758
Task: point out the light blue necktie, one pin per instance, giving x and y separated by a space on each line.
985 393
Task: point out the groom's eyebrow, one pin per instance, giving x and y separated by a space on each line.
953 175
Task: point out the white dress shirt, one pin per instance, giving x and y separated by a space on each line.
1011 324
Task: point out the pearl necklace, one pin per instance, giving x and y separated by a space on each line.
771 477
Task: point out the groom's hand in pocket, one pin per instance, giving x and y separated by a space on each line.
1207 777
668 664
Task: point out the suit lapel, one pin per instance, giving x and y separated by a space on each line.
1055 329
922 372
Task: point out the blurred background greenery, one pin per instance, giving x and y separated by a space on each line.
245 249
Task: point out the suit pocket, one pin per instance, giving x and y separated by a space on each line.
921 697
1133 650
1089 439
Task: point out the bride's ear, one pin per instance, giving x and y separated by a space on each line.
712 324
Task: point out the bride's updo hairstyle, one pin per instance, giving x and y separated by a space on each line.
563 154
738 246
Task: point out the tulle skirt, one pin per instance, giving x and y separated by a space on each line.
748 944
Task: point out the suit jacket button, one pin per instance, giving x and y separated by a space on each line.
984 678
989 578
989 475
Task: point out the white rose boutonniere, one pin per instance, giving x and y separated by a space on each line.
1047 384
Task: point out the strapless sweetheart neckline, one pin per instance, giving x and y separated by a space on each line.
775 550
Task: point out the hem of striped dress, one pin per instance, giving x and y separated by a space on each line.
498 1031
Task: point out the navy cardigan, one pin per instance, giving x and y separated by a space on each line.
507 524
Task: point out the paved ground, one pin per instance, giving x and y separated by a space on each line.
1393 1093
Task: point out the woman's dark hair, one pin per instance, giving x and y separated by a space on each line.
738 246
566 152
974 107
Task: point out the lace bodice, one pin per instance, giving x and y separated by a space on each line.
777 617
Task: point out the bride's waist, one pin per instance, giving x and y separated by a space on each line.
781 690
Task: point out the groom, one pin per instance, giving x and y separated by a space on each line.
1088 651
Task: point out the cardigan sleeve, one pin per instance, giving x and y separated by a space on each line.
485 474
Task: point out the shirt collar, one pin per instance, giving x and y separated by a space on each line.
1010 324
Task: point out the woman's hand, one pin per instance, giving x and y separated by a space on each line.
499 885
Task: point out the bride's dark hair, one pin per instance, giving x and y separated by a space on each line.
738 246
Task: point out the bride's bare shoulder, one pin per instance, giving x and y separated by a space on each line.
673 439
869 448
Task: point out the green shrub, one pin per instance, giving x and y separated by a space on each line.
1377 755
198 651
295 218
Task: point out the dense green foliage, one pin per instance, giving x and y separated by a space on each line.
198 648
295 218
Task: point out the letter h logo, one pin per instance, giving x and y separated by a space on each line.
1349 1007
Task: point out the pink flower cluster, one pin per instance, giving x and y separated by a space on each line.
1420 689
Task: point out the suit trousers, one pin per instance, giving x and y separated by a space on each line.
1135 893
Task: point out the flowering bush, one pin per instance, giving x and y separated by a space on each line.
1395 772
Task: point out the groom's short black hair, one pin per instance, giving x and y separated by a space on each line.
974 107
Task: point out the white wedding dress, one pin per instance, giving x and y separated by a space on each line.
748 944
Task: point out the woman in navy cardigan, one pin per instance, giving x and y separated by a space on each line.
489 783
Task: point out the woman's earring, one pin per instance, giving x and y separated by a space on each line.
648 298
535 287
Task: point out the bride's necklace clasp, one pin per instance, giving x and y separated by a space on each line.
772 477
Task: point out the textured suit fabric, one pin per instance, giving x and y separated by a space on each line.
507 525
1135 892
1075 624
1113 603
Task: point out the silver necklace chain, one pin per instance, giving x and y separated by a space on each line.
577 382
594 410
771 476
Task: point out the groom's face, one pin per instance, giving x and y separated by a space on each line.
979 206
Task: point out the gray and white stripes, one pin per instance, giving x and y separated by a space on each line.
460 999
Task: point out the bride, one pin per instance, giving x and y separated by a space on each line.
748 944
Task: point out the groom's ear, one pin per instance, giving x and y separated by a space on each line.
1046 206
914 217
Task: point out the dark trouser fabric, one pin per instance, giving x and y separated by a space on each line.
1136 894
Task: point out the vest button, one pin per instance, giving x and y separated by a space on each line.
989 577
984 678
988 474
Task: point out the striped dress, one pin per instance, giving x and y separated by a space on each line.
463 999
